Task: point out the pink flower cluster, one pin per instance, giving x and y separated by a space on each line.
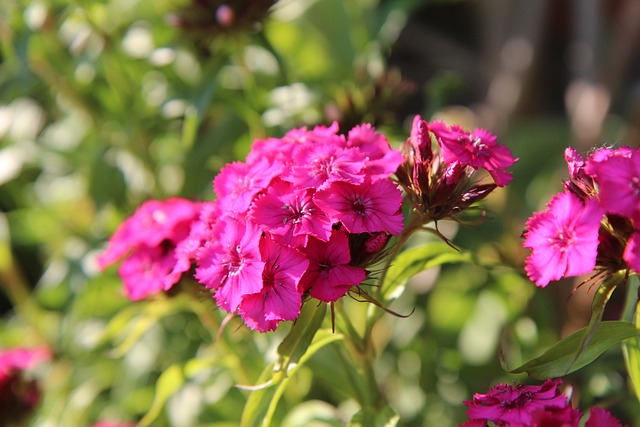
440 178
593 224
18 394
147 241
303 215
517 405
295 219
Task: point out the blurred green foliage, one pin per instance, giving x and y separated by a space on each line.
104 104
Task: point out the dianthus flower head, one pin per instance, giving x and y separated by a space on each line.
618 179
563 239
365 208
148 240
19 395
442 185
599 417
477 149
279 299
154 223
382 161
330 274
317 165
238 183
556 417
513 405
231 264
290 211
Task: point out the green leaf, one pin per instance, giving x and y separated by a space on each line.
295 344
597 309
385 418
414 260
263 401
168 383
631 347
560 360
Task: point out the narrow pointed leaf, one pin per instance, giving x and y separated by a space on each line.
560 360
597 308
262 403
631 347
300 336
168 383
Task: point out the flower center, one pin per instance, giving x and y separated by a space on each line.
360 206
635 185
479 146
563 240
235 262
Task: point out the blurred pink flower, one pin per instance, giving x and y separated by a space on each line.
556 417
599 417
19 395
147 240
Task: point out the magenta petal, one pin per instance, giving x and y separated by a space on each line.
365 208
632 252
599 417
144 271
563 239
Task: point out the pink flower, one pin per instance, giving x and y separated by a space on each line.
563 239
21 359
599 417
632 252
146 271
514 405
618 179
238 183
556 417
316 165
18 395
382 160
279 299
232 264
575 162
153 223
329 275
365 208
602 154
477 149
287 210
148 239
187 249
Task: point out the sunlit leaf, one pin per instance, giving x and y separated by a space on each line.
631 347
263 401
168 383
385 418
300 337
597 308
414 260
559 360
